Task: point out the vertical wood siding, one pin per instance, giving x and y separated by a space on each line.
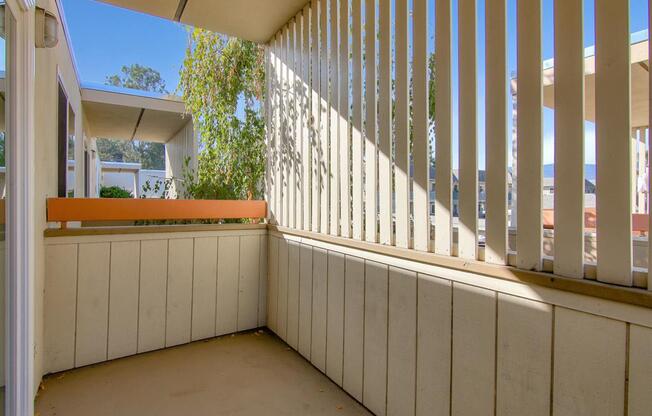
108 297
404 338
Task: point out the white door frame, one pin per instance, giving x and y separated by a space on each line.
19 233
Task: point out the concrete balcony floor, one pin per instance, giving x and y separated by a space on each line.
252 373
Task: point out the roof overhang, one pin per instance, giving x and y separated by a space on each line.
132 115
639 82
255 20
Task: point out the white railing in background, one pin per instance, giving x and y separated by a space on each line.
350 169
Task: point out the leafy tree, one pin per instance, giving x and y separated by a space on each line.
138 77
114 192
151 155
223 85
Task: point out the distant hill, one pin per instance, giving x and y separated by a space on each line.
589 171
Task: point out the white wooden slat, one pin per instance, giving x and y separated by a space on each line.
370 125
468 141
315 109
649 154
324 171
421 145
272 286
385 121
305 301
293 295
123 299
282 317
179 291
269 133
443 130
297 154
228 253
402 85
291 128
204 288
286 132
434 316
496 131
569 139
319 308
374 395
60 306
353 326
402 342
248 283
474 351
153 286
306 116
613 149
590 357
529 136
263 282
92 303
357 220
524 354
278 130
333 126
343 112
640 371
335 320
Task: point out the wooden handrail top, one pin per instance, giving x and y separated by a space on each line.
107 209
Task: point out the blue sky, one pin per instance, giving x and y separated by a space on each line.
104 38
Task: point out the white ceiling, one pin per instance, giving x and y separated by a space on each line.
132 117
255 20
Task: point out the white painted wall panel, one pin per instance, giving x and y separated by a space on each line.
435 303
640 371
248 280
92 303
282 317
590 353
305 301
123 299
402 342
272 288
353 326
60 307
524 354
319 308
204 288
335 320
262 286
228 249
179 294
374 395
474 351
152 299
293 295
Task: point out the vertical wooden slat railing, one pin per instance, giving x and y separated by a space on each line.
402 121
333 126
350 153
443 129
496 130
370 154
529 136
613 146
569 146
468 140
357 220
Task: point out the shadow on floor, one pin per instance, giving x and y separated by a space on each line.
252 373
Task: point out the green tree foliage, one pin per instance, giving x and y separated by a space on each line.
114 192
151 155
223 80
138 77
